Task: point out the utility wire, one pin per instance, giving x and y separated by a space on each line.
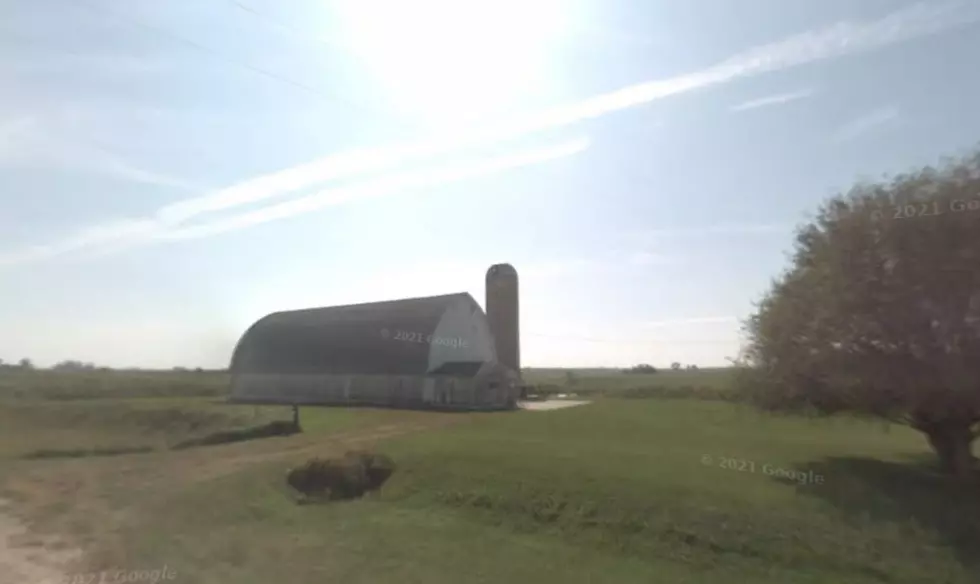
291 28
258 70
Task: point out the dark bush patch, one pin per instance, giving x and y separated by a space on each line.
347 477
270 430
83 452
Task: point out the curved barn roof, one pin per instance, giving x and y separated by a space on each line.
446 334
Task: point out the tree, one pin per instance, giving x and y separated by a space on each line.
879 313
25 363
675 366
72 365
643 368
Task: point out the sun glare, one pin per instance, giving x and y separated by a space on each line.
455 60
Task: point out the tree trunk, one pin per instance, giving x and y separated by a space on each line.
952 441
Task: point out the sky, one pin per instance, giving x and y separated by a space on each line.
172 171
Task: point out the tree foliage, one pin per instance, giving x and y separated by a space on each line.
879 312
642 368
72 365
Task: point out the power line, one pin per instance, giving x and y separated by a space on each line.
258 70
280 24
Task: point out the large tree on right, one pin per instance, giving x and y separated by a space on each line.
879 312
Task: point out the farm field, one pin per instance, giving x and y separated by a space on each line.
650 489
611 380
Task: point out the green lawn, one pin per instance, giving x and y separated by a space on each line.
612 382
616 491
612 492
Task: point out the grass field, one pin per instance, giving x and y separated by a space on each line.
621 490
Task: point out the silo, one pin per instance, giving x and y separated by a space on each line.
503 312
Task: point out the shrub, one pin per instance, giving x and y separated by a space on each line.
378 467
347 477
270 430
85 452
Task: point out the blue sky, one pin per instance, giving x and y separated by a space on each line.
172 171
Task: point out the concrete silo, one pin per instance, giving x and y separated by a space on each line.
435 352
503 312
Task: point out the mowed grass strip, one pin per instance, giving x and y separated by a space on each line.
30 427
702 383
615 491
85 385
88 500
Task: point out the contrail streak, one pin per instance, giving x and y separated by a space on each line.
383 186
834 41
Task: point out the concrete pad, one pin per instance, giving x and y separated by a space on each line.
555 404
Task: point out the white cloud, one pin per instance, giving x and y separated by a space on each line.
840 39
834 41
609 262
690 321
167 226
132 231
867 122
12 128
658 235
378 187
646 258
559 268
28 142
777 99
114 63
614 35
11 131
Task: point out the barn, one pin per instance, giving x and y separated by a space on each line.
434 352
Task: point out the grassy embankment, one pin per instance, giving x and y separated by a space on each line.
616 491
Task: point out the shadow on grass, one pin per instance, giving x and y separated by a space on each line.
704 393
84 452
891 492
270 430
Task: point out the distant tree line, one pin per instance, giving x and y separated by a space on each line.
645 368
642 368
71 365
25 364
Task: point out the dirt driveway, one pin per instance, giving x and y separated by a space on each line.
30 559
